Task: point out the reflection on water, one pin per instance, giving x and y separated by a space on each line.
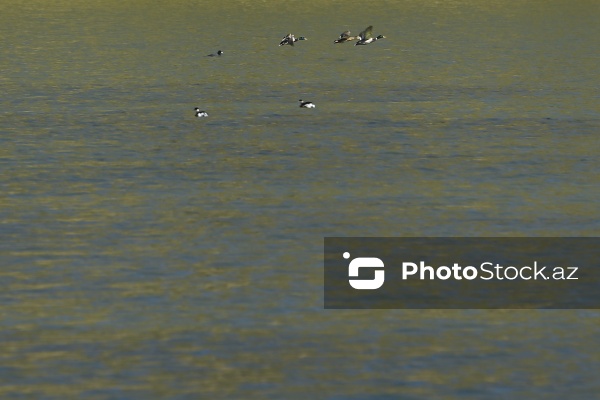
150 254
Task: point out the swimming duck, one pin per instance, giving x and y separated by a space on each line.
200 113
365 37
290 39
306 104
215 55
345 37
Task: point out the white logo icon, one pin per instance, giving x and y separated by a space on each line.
365 262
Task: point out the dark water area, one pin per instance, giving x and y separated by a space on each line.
148 254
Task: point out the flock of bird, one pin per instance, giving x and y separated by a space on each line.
363 38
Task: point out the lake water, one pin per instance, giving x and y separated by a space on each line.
148 254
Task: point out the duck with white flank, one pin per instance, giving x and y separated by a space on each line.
345 37
215 55
290 39
200 113
306 104
366 37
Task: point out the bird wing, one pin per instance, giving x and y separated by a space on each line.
366 34
287 39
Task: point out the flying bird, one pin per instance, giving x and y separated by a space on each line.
345 37
290 39
366 36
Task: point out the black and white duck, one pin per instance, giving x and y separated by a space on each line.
290 39
366 36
